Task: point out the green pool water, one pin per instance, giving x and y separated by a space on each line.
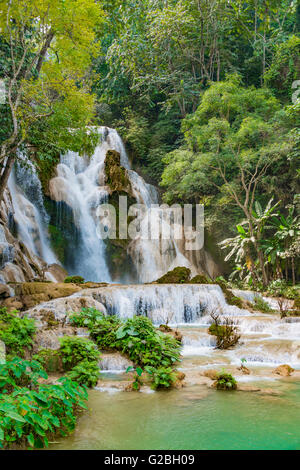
190 419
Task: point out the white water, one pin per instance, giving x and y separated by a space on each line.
80 183
30 216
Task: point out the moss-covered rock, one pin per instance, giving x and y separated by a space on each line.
179 275
116 176
200 279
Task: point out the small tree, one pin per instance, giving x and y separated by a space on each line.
226 331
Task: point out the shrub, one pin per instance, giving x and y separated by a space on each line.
85 373
163 377
87 317
226 332
74 280
135 337
74 349
17 333
137 381
225 381
28 414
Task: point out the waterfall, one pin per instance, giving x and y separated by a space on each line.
174 303
80 184
29 215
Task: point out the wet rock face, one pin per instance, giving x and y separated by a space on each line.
60 308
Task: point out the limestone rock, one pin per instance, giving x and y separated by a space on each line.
4 291
211 374
61 308
284 370
56 273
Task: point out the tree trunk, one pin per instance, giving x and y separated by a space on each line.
293 272
5 174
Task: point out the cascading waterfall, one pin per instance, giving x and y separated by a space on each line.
29 212
80 184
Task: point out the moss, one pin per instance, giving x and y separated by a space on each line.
74 280
200 279
231 299
115 175
179 275
46 170
58 242
50 359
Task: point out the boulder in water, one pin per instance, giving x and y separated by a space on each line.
284 370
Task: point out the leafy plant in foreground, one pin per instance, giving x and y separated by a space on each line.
29 415
17 333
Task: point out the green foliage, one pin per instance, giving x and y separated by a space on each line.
29 411
225 381
163 377
137 381
74 349
135 337
85 373
74 279
17 333
285 68
86 317
261 305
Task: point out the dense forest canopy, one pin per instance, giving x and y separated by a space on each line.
204 93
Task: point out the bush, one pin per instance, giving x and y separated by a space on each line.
17 333
226 382
74 280
136 337
226 333
85 373
163 377
86 318
28 414
74 350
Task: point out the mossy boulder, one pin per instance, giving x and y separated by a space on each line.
116 176
179 275
200 279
